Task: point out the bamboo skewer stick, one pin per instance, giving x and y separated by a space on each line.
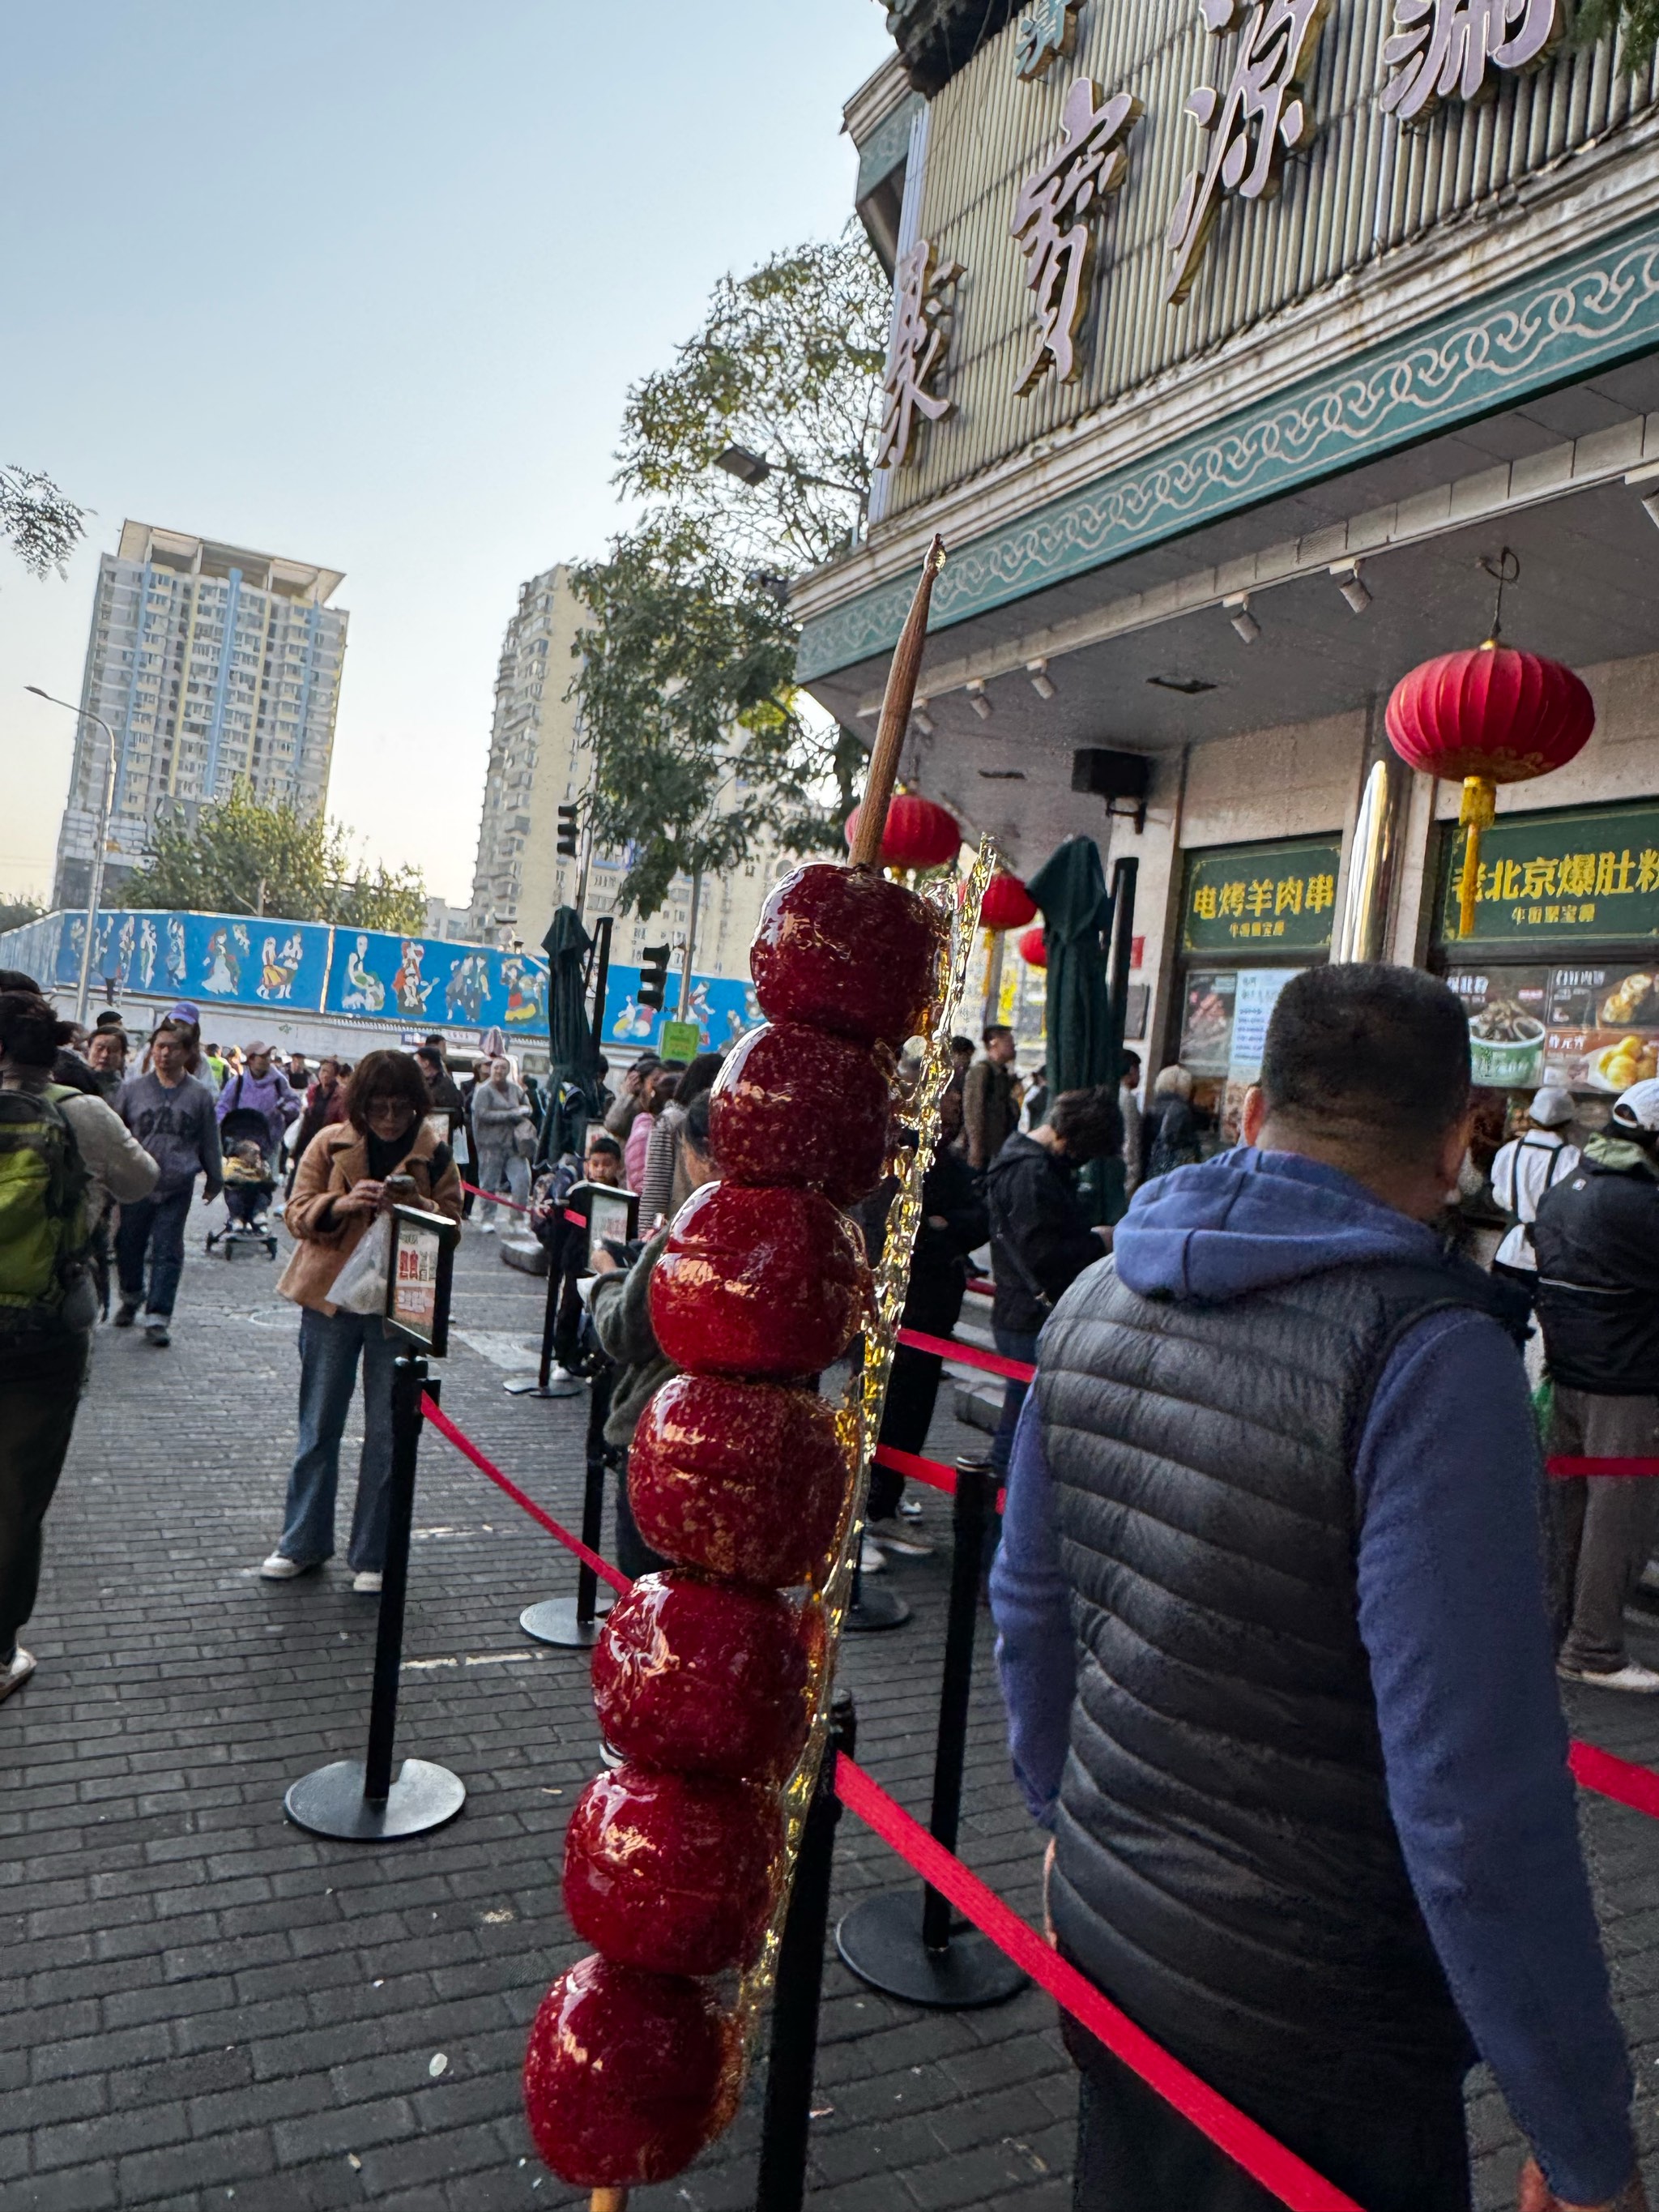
896 715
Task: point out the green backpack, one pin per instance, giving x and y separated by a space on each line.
44 1223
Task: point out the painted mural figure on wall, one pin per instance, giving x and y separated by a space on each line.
467 987
921 339
1440 49
1262 116
1047 35
368 993
1052 227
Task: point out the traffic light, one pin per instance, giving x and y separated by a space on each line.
654 975
568 834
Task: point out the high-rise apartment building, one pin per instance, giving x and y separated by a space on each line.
538 759
209 662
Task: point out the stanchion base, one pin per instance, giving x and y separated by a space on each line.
875 1608
528 1387
554 1621
330 1802
881 1941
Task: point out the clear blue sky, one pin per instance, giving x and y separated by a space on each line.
363 282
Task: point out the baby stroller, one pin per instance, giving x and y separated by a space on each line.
248 1201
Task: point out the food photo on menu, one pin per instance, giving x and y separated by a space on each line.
1594 1030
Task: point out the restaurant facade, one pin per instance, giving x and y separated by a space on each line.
1247 356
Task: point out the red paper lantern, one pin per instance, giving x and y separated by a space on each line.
1490 716
1034 949
1008 904
919 834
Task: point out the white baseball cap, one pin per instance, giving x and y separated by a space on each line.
1551 1108
1638 1107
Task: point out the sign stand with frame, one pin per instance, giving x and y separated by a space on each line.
361 1800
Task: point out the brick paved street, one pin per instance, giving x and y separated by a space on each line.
202 2005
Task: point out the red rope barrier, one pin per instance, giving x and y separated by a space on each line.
494 1198
468 1449
1564 1467
1619 1778
969 1354
1277 2169
933 1471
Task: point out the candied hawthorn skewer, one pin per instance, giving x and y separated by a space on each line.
705 1686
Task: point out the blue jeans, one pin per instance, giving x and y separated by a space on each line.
1012 1343
159 1224
329 1347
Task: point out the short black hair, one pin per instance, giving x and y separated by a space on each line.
109 1019
603 1065
14 979
601 1140
1369 1051
696 1121
995 1029
962 1044
1090 1121
1131 1065
30 1029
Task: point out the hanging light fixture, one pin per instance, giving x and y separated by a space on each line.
1352 586
1238 613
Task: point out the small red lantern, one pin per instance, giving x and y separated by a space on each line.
919 834
1490 716
1034 949
1008 904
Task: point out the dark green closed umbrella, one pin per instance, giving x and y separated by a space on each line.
573 1082
1070 887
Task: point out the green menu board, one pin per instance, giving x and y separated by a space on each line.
1261 898
1590 876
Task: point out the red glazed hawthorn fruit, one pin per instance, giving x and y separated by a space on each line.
627 2075
677 1874
703 1678
795 1105
745 1480
847 950
765 1283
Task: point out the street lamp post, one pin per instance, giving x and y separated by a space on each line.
101 839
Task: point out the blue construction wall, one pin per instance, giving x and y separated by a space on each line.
306 967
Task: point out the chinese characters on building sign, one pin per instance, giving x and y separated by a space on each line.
1249 127
1591 876
1440 49
1272 896
921 339
1052 223
1047 35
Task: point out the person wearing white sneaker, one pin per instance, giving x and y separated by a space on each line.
350 1174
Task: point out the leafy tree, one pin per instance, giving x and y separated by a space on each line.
703 748
1637 19
242 856
41 525
14 911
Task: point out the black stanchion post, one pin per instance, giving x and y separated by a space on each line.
575 1623
793 2058
908 1945
361 1800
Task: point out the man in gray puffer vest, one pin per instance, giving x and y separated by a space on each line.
1278 1662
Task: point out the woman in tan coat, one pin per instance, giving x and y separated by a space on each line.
345 1179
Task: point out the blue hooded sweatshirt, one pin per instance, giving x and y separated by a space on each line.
1453 1618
